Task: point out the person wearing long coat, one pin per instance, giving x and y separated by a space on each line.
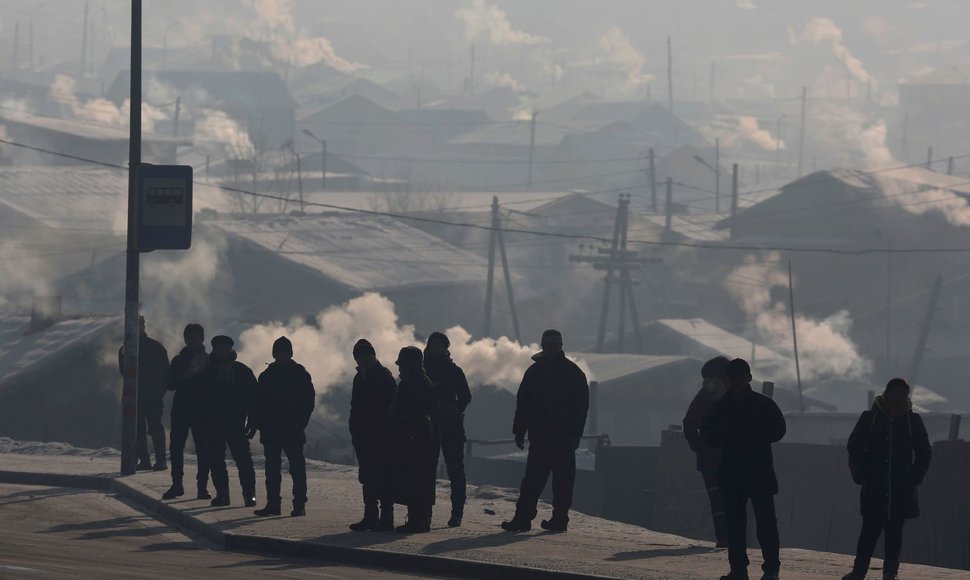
889 455
152 370
186 413
412 436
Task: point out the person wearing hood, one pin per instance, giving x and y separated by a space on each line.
744 424
186 412
889 455
370 404
551 408
714 376
453 394
152 370
284 403
227 388
412 436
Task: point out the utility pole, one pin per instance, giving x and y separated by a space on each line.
323 167
669 206
490 279
924 331
794 336
670 77
734 190
84 43
532 145
471 76
299 179
889 309
129 366
178 112
717 175
16 45
801 136
929 158
949 165
508 283
652 176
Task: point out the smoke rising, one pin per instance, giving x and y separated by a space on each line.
101 111
216 127
824 31
748 130
484 21
614 51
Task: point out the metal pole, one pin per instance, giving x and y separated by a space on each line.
670 204
621 326
608 284
178 112
508 284
532 145
490 281
717 175
129 390
794 336
801 136
653 183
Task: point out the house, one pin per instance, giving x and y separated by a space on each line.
499 103
446 124
258 100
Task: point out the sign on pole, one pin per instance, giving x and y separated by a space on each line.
164 207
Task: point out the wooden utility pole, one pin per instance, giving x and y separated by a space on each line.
924 331
508 285
794 336
532 146
669 206
490 278
801 136
670 77
652 176
734 190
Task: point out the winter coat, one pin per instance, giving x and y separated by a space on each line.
181 378
553 400
412 441
890 458
152 372
370 405
452 392
227 389
708 457
744 425
284 403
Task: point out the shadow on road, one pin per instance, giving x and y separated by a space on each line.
661 552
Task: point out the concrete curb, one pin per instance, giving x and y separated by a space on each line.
398 561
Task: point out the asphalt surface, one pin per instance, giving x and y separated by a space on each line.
55 533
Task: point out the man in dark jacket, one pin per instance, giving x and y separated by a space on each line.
889 455
714 375
187 413
284 403
152 370
744 424
453 394
551 408
227 388
370 406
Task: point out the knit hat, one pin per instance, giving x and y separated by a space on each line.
552 335
222 340
439 336
363 346
739 368
410 356
283 344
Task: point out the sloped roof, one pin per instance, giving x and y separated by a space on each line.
235 90
353 109
361 253
719 340
22 353
85 130
607 368
517 133
573 202
66 197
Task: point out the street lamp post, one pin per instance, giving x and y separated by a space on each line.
323 167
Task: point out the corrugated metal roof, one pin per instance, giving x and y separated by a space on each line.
611 367
67 197
362 253
720 340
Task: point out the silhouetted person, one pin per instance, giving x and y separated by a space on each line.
551 408
228 388
889 454
370 406
412 441
152 370
453 394
744 424
714 375
187 412
284 404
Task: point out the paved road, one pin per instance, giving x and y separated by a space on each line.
55 533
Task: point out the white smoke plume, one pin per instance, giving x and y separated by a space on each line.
748 130
824 31
22 269
308 51
746 4
504 79
216 127
325 346
101 111
484 21
614 50
824 346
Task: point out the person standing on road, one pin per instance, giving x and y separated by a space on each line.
187 413
152 371
412 441
889 455
551 408
284 404
714 375
370 405
744 424
453 394
228 387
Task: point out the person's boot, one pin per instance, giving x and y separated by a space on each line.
859 569
271 509
160 466
418 521
299 510
203 492
249 498
457 514
144 464
556 523
517 524
386 521
890 569
175 491
368 522
220 500
735 576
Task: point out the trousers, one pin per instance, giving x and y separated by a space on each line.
150 424
216 442
872 528
182 424
548 454
717 504
736 509
274 475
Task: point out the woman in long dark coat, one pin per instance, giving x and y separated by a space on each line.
414 460
889 454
